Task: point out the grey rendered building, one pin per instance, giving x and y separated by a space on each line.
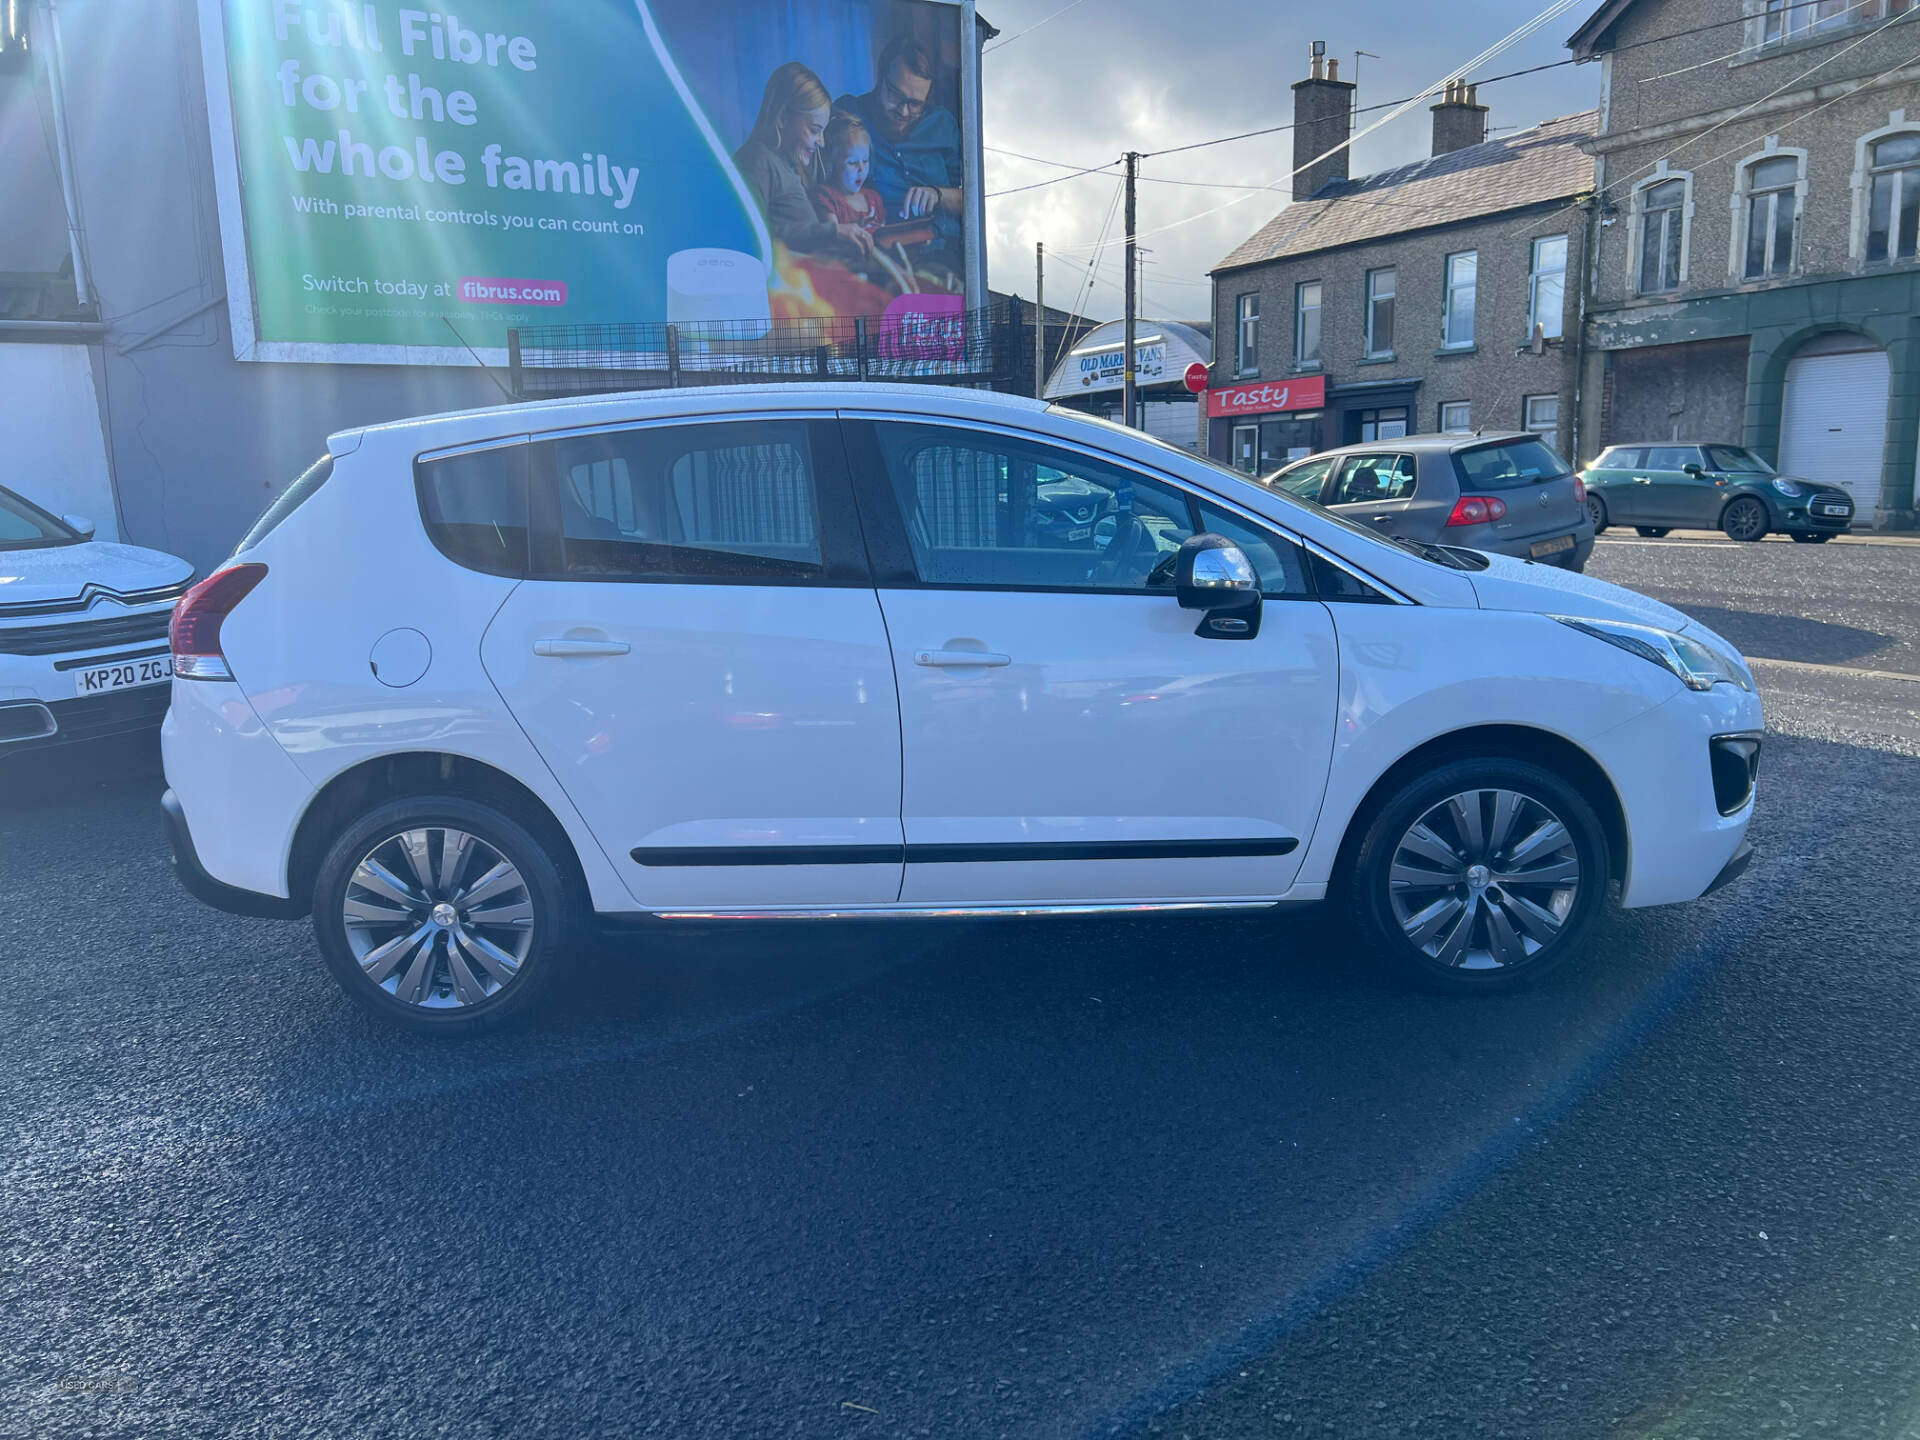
1754 273
1442 295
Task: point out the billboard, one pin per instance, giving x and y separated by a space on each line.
405 185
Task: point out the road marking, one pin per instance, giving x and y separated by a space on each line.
1672 544
1844 671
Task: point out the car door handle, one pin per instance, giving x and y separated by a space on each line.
949 659
1381 519
565 647
1641 480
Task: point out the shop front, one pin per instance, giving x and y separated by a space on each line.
1258 428
1092 376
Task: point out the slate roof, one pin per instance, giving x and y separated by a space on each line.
1514 171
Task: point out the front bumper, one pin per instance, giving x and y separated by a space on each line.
29 725
1732 870
202 886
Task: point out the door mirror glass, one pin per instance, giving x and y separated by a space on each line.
1213 574
80 525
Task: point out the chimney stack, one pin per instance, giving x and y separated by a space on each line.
1322 119
1459 120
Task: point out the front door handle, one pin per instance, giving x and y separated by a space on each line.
949 659
566 647
1641 480
1381 519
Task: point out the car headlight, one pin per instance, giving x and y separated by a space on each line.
1695 663
1788 489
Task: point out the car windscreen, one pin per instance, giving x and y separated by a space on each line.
288 501
25 526
1507 465
1736 457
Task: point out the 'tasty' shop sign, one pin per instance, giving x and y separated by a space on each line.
1307 393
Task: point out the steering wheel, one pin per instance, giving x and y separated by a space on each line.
1125 550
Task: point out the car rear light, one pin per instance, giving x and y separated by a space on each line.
194 631
1478 510
1579 491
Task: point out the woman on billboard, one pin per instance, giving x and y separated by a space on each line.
780 163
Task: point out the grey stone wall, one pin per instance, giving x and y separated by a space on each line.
1495 377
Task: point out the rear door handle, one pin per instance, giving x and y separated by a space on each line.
580 647
1381 519
949 659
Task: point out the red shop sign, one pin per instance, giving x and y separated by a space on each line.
1308 393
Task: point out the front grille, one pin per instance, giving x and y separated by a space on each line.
1736 764
83 634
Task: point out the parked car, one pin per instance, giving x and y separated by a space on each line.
1658 488
752 653
83 630
1503 494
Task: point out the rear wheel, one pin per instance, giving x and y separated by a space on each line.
1597 512
1802 537
441 915
1652 532
1744 519
1482 875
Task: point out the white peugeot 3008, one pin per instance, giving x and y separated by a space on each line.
812 651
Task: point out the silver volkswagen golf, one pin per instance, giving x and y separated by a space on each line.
1509 494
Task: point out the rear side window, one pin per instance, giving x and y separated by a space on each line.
1370 479
475 506
732 500
1507 465
287 501
1620 457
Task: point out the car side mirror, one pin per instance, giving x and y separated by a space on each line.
1694 470
81 524
1213 574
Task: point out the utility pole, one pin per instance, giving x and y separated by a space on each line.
1039 321
1129 405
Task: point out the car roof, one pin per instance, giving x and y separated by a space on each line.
1414 444
666 403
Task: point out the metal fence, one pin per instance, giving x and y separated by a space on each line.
962 347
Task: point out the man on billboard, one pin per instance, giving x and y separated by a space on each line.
916 167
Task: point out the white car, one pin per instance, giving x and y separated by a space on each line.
816 651
83 630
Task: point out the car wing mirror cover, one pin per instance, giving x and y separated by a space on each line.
1213 574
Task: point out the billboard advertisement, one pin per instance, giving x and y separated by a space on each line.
405 185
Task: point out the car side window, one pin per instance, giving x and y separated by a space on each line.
1305 480
1621 457
1278 561
731 500
1671 457
1370 479
998 511
475 507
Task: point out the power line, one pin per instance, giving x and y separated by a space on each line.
1002 44
1055 180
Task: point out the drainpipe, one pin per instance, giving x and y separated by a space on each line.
1589 277
56 69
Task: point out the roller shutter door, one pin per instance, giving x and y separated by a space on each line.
1833 424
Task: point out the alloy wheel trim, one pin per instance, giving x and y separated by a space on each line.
1484 880
1747 507
438 918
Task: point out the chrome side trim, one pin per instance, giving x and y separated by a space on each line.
961 912
475 447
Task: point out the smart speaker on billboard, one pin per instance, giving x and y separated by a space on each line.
403 184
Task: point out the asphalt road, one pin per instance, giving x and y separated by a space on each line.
1208 1178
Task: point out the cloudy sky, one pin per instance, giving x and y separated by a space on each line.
1106 76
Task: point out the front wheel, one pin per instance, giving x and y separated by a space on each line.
1597 512
441 915
1652 532
1482 875
1744 519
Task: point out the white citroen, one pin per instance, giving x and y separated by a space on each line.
478 680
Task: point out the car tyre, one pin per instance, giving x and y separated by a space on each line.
1429 893
1802 537
442 915
1744 519
1597 512
1652 532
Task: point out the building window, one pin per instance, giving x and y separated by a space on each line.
1773 212
1456 418
1306 323
1381 285
1543 415
1456 325
1382 424
1547 286
1663 233
1246 334
1893 197
1791 19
